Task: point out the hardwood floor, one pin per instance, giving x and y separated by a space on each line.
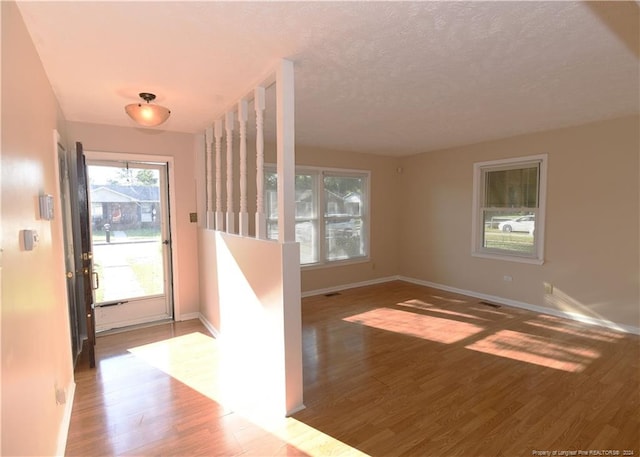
392 369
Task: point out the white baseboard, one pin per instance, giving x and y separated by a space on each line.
63 432
214 331
527 306
329 290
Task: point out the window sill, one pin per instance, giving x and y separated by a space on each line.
508 258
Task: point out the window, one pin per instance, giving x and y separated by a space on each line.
337 232
508 210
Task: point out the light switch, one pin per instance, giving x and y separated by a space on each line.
29 239
46 207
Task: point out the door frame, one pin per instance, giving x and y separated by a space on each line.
65 205
173 232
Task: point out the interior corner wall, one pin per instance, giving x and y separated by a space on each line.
36 340
179 146
253 303
592 242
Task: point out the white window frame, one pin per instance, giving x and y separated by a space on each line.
477 248
320 173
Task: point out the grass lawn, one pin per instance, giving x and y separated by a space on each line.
510 241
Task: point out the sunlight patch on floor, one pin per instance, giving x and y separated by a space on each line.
194 360
417 304
418 325
571 328
537 350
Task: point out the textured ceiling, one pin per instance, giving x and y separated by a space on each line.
390 78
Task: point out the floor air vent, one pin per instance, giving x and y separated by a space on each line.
492 305
332 294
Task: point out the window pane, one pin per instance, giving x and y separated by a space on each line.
343 195
343 216
515 188
342 221
306 211
344 238
271 196
513 233
306 235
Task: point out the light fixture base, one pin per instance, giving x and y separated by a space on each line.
146 96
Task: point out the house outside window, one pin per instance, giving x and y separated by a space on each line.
509 209
331 214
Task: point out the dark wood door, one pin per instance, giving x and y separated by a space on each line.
86 270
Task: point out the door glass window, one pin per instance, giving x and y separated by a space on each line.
126 231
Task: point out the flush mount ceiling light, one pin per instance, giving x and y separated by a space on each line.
147 114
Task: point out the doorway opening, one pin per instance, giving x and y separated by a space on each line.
131 242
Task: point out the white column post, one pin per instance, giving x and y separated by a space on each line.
286 151
291 306
218 136
208 153
261 223
231 226
243 216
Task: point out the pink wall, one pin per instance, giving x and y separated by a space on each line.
251 295
36 341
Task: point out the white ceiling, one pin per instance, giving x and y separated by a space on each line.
391 78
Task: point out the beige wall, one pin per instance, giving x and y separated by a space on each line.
592 242
181 147
36 342
385 214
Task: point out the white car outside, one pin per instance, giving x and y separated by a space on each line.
520 224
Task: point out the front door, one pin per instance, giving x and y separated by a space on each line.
130 243
84 259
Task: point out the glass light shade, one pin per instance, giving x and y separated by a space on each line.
147 114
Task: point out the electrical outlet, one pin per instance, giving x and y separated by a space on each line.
507 278
548 288
193 217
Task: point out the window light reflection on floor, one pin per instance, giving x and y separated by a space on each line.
194 359
536 350
416 304
557 324
412 324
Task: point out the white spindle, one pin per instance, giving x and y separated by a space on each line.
218 152
261 223
243 217
230 214
208 154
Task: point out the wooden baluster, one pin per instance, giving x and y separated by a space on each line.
218 136
243 217
261 223
231 226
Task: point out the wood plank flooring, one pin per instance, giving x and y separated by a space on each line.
389 370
